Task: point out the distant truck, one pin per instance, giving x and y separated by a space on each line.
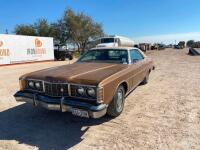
61 53
178 47
115 41
161 46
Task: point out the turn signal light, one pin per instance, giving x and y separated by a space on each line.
21 84
100 94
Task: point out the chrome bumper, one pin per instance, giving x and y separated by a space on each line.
61 104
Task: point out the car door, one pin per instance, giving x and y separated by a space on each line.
137 67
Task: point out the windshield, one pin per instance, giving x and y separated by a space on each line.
105 56
107 40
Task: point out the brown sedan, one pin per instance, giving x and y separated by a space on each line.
93 86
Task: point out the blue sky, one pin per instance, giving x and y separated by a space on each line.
137 19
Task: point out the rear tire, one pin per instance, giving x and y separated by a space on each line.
117 105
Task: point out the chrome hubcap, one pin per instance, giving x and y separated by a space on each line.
119 100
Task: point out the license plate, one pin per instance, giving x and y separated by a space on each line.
80 113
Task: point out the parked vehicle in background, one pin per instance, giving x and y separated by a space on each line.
178 47
154 47
69 54
158 46
195 49
61 53
182 44
169 46
144 46
115 41
93 86
161 46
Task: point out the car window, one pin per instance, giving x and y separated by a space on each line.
106 56
135 56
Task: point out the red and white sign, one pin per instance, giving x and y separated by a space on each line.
19 49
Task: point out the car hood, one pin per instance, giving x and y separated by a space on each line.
78 73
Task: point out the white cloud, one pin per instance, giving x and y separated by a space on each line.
168 38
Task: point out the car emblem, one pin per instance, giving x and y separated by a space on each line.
61 90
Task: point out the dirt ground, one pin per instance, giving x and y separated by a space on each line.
164 114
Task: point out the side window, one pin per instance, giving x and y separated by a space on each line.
136 56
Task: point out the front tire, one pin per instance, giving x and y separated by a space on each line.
117 105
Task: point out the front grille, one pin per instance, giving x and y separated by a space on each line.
73 90
56 89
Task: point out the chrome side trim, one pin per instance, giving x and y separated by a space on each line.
43 86
69 90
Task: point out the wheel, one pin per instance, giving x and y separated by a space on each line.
146 79
62 58
56 58
70 57
117 105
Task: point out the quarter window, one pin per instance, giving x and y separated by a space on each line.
136 56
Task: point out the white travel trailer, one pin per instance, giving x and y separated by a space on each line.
115 41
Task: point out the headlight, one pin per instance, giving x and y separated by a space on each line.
34 85
80 90
38 85
31 84
91 92
84 91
